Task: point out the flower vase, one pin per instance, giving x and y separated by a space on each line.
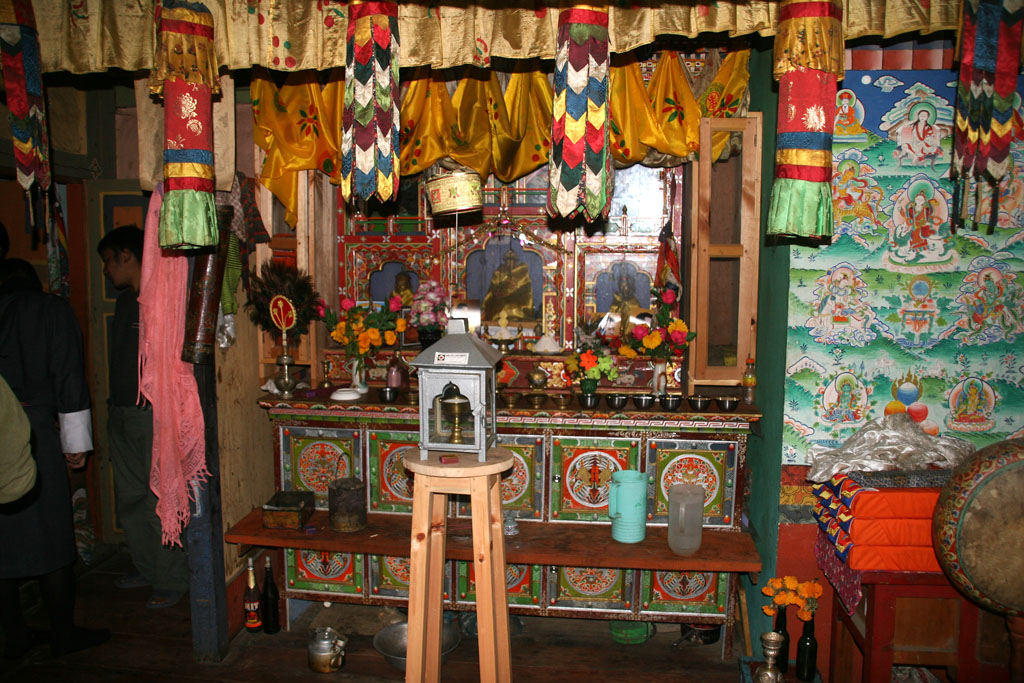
357 368
588 385
807 653
659 383
285 380
429 336
780 627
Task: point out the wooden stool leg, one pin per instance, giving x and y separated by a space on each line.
426 575
489 567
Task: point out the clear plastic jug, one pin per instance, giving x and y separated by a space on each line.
685 518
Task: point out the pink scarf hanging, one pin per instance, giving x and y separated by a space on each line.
167 382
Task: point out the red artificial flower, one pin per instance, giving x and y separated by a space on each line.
640 331
395 304
668 296
347 303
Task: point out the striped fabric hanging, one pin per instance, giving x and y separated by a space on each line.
185 72
990 44
808 61
581 179
370 123
23 83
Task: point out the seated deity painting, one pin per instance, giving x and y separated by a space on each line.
508 280
393 279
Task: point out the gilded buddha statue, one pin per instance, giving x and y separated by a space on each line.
403 288
624 302
510 292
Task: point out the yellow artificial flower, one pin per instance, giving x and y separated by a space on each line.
769 610
652 340
374 335
364 342
790 582
781 598
677 325
767 590
400 325
804 615
627 352
775 583
816 590
390 337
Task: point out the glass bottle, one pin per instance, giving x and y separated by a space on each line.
807 653
749 381
780 627
251 603
397 376
269 602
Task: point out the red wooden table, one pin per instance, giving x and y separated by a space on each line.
908 618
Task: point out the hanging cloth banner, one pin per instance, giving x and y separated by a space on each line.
23 83
808 60
186 75
990 44
370 136
580 178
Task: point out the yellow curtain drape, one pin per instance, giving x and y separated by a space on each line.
297 125
293 35
675 108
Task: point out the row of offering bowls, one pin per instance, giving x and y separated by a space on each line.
668 402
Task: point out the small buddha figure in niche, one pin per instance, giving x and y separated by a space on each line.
403 288
624 302
510 292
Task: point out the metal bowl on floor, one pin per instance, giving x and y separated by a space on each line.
391 641
670 402
615 401
643 401
698 402
589 401
727 404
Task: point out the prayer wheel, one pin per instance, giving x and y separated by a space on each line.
204 295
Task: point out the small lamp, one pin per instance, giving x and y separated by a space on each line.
457 392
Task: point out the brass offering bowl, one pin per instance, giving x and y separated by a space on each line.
562 400
536 400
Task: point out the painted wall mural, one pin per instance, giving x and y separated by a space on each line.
897 313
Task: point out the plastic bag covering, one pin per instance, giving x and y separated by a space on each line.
892 442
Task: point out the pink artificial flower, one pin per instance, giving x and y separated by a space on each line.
678 337
347 303
395 304
640 331
668 296
319 308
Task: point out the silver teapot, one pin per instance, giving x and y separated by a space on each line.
326 650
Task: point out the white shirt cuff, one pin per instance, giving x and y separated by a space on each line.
76 431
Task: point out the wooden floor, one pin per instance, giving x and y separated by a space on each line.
155 646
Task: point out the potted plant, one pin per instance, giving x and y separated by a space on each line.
361 330
429 312
662 337
588 364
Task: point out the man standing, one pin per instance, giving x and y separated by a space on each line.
130 431
41 360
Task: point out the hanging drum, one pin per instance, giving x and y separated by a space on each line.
454 192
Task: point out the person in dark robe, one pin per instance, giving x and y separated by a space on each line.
130 432
41 360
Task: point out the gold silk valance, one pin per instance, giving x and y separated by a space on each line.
293 35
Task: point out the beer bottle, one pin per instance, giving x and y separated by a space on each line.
251 603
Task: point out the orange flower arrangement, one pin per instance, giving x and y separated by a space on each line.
788 591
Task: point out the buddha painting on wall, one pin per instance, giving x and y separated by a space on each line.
393 279
622 292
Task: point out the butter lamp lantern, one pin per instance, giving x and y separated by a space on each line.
457 392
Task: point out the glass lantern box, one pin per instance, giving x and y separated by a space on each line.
457 393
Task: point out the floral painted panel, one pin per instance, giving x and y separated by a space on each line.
314 457
522 583
323 571
591 588
898 313
690 592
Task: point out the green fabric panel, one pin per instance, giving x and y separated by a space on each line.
800 208
232 274
188 220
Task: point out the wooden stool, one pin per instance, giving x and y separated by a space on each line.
433 482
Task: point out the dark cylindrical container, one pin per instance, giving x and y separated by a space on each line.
204 296
346 501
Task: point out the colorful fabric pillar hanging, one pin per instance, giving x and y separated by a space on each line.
808 61
990 44
23 84
581 179
185 74
370 123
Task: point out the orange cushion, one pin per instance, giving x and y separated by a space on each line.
891 558
895 503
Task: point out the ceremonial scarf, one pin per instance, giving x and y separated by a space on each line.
167 382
